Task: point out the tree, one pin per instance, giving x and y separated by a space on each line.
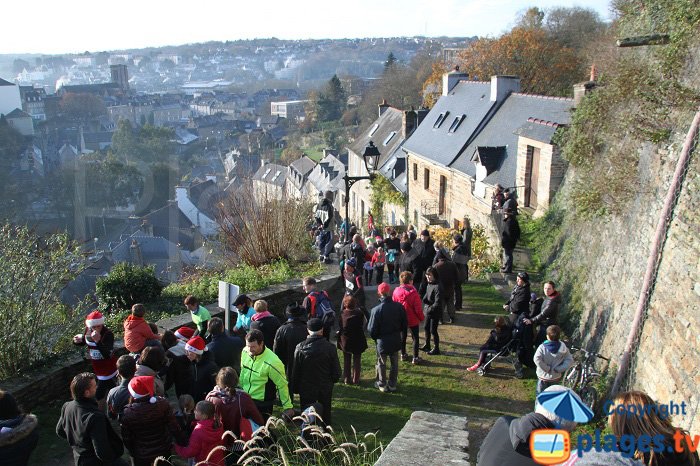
531 18
574 27
12 143
544 66
124 141
331 101
127 284
290 154
19 65
35 271
82 107
390 61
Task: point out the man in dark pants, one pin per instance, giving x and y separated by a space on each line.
425 250
86 427
225 349
510 234
325 218
386 325
316 369
288 336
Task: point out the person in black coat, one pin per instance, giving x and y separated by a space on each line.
425 250
508 441
449 278
353 283
265 321
86 427
510 234
225 349
549 312
178 366
204 369
316 369
387 323
519 302
288 336
460 256
433 305
18 432
325 217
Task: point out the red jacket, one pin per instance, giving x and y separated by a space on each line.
203 440
136 332
408 297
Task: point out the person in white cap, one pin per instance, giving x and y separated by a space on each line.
148 423
100 344
204 369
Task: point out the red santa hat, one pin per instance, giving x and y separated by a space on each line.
142 386
94 319
184 333
196 345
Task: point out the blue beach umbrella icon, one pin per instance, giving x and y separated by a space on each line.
565 404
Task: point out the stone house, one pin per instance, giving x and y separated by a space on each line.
269 181
478 135
296 176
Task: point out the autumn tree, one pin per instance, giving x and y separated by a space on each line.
544 66
82 107
574 27
532 18
290 154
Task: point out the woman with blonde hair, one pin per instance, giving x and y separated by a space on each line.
634 414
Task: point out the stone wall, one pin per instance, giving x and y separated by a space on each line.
53 381
602 264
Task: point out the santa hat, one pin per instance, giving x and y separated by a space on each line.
143 386
196 345
184 333
94 319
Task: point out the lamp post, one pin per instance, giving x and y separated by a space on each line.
371 158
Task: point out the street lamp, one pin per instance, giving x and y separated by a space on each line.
371 158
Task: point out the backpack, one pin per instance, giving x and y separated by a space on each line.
321 306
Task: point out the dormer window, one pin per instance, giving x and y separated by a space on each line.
388 138
455 124
440 119
374 129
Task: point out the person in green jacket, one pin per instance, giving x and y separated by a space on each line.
200 315
259 365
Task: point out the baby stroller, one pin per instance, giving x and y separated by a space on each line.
509 352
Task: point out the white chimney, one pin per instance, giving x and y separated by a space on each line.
450 80
502 86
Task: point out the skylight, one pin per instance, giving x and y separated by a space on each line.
440 119
455 124
276 175
388 138
267 172
374 129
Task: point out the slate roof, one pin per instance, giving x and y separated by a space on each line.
154 251
18 113
537 129
394 169
326 175
271 173
84 283
169 222
435 141
379 132
489 157
502 128
206 196
5 83
98 137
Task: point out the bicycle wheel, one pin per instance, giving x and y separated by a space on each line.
572 377
589 396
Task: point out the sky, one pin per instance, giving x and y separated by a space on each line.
74 26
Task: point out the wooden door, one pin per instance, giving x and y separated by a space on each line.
532 171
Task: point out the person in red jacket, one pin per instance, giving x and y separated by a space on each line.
100 342
137 332
206 445
407 295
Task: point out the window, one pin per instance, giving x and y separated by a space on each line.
415 172
455 124
388 138
374 129
440 119
426 178
276 175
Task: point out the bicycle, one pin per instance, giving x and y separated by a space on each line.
579 377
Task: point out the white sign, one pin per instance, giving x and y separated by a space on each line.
228 292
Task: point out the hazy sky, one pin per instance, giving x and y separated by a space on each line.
51 27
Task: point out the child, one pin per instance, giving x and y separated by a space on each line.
378 260
137 332
205 437
499 337
552 359
185 415
200 314
367 264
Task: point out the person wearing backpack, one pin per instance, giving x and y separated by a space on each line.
318 305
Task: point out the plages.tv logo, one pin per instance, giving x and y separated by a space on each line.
550 446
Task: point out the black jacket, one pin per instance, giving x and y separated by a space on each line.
315 365
426 254
433 298
268 326
148 429
467 235
179 370
89 433
549 312
510 233
519 302
18 443
508 442
325 213
448 275
203 376
386 323
226 350
288 336
498 340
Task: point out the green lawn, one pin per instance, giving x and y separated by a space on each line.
315 153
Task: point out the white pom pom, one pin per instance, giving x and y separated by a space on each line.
153 400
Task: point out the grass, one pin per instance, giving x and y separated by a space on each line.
315 153
440 385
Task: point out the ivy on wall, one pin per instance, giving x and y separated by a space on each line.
384 193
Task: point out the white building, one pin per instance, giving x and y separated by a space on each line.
9 97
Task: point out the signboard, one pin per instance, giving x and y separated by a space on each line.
228 292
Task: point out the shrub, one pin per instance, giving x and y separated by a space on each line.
483 260
35 271
127 284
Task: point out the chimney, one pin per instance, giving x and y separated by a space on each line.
583 89
409 123
450 80
211 178
383 106
421 113
147 227
502 86
135 253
